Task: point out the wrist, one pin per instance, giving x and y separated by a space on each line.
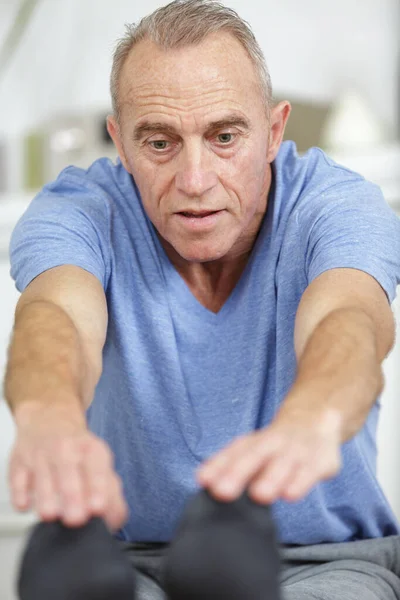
314 410
29 411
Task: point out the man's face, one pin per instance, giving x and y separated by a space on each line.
194 135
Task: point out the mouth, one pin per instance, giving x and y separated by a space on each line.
201 220
198 214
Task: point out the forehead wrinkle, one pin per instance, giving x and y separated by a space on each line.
163 86
164 104
216 81
181 78
194 97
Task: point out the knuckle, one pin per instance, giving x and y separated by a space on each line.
98 481
42 480
70 478
70 485
72 496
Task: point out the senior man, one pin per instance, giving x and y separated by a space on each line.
212 310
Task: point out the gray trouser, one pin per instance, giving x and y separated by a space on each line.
364 570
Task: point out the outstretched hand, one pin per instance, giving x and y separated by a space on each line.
62 471
284 460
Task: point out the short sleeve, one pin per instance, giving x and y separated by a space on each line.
67 223
350 225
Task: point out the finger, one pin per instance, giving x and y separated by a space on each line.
47 503
98 472
117 510
268 485
221 483
212 468
244 466
71 486
304 479
20 481
310 474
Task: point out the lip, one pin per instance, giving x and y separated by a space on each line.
208 221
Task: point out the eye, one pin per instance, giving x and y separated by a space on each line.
225 138
159 144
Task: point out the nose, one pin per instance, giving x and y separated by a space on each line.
194 178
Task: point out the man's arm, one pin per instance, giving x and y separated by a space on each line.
55 359
344 329
55 354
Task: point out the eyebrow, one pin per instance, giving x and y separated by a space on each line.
159 127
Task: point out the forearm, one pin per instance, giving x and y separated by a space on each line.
46 366
339 371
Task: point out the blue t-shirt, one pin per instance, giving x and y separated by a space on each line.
180 382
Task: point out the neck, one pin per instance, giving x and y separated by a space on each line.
212 282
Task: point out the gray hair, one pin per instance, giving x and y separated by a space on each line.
183 23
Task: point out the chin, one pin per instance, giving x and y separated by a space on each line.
200 252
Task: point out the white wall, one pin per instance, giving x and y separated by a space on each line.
9 297
11 548
388 432
314 49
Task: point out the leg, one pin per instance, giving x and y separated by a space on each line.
341 584
147 588
148 561
365 570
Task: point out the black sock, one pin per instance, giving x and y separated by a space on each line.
84 563
223 550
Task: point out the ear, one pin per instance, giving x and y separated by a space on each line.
278 119
114 130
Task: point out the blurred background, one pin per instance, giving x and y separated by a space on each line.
337 62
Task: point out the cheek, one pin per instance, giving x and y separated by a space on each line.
153 183
255 163
246 174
